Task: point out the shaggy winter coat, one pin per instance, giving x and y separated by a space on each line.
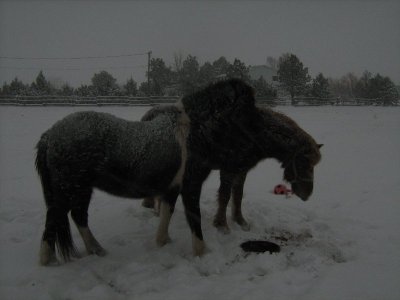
87 150
234 143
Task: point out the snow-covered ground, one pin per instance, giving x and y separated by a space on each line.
344 243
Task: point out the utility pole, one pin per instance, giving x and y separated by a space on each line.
148 72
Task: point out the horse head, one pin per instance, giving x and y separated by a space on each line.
299 170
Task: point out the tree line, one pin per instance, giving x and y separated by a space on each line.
187 75
293 77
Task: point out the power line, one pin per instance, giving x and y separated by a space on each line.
71 58
72 69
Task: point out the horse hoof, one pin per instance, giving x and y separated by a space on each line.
49 261
199 247
222 226
99 251
162 242
245 226
47 255
224 229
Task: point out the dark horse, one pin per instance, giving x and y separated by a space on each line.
234 144
280 134
284 133
87 150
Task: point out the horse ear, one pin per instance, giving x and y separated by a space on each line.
320 146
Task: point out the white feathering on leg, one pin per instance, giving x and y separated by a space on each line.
165 217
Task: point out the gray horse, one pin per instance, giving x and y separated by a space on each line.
87 150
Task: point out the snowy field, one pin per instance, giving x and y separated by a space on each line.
344 243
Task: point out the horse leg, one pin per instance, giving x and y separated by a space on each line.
47 253
57 230
152 202
79 214
237 190
191 190
157 206
166 208
224 194
148 202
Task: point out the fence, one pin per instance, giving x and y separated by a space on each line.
84 101
308 101
145 101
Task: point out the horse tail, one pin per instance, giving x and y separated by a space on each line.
43 170
57 230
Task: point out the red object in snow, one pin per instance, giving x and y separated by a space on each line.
281 189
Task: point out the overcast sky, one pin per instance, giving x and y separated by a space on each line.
332 37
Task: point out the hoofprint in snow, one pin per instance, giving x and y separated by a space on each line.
341 244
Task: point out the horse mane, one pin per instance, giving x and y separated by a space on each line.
222 127
222 98
289 136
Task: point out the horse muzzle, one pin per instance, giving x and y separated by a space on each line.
302 189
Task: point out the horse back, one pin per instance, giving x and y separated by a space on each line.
128 159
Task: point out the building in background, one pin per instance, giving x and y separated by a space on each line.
268 73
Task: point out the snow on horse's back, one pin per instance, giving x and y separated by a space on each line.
87 150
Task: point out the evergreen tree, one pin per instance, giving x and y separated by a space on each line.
320 87
104 84
238 70
189 75
17 87
66 90
160 76
130 88
206 74
221 67
263 89
383 90
85 91
41 86
376 88
143 89
5 89
292 75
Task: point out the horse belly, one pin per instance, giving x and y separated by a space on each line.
138 179
121 187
